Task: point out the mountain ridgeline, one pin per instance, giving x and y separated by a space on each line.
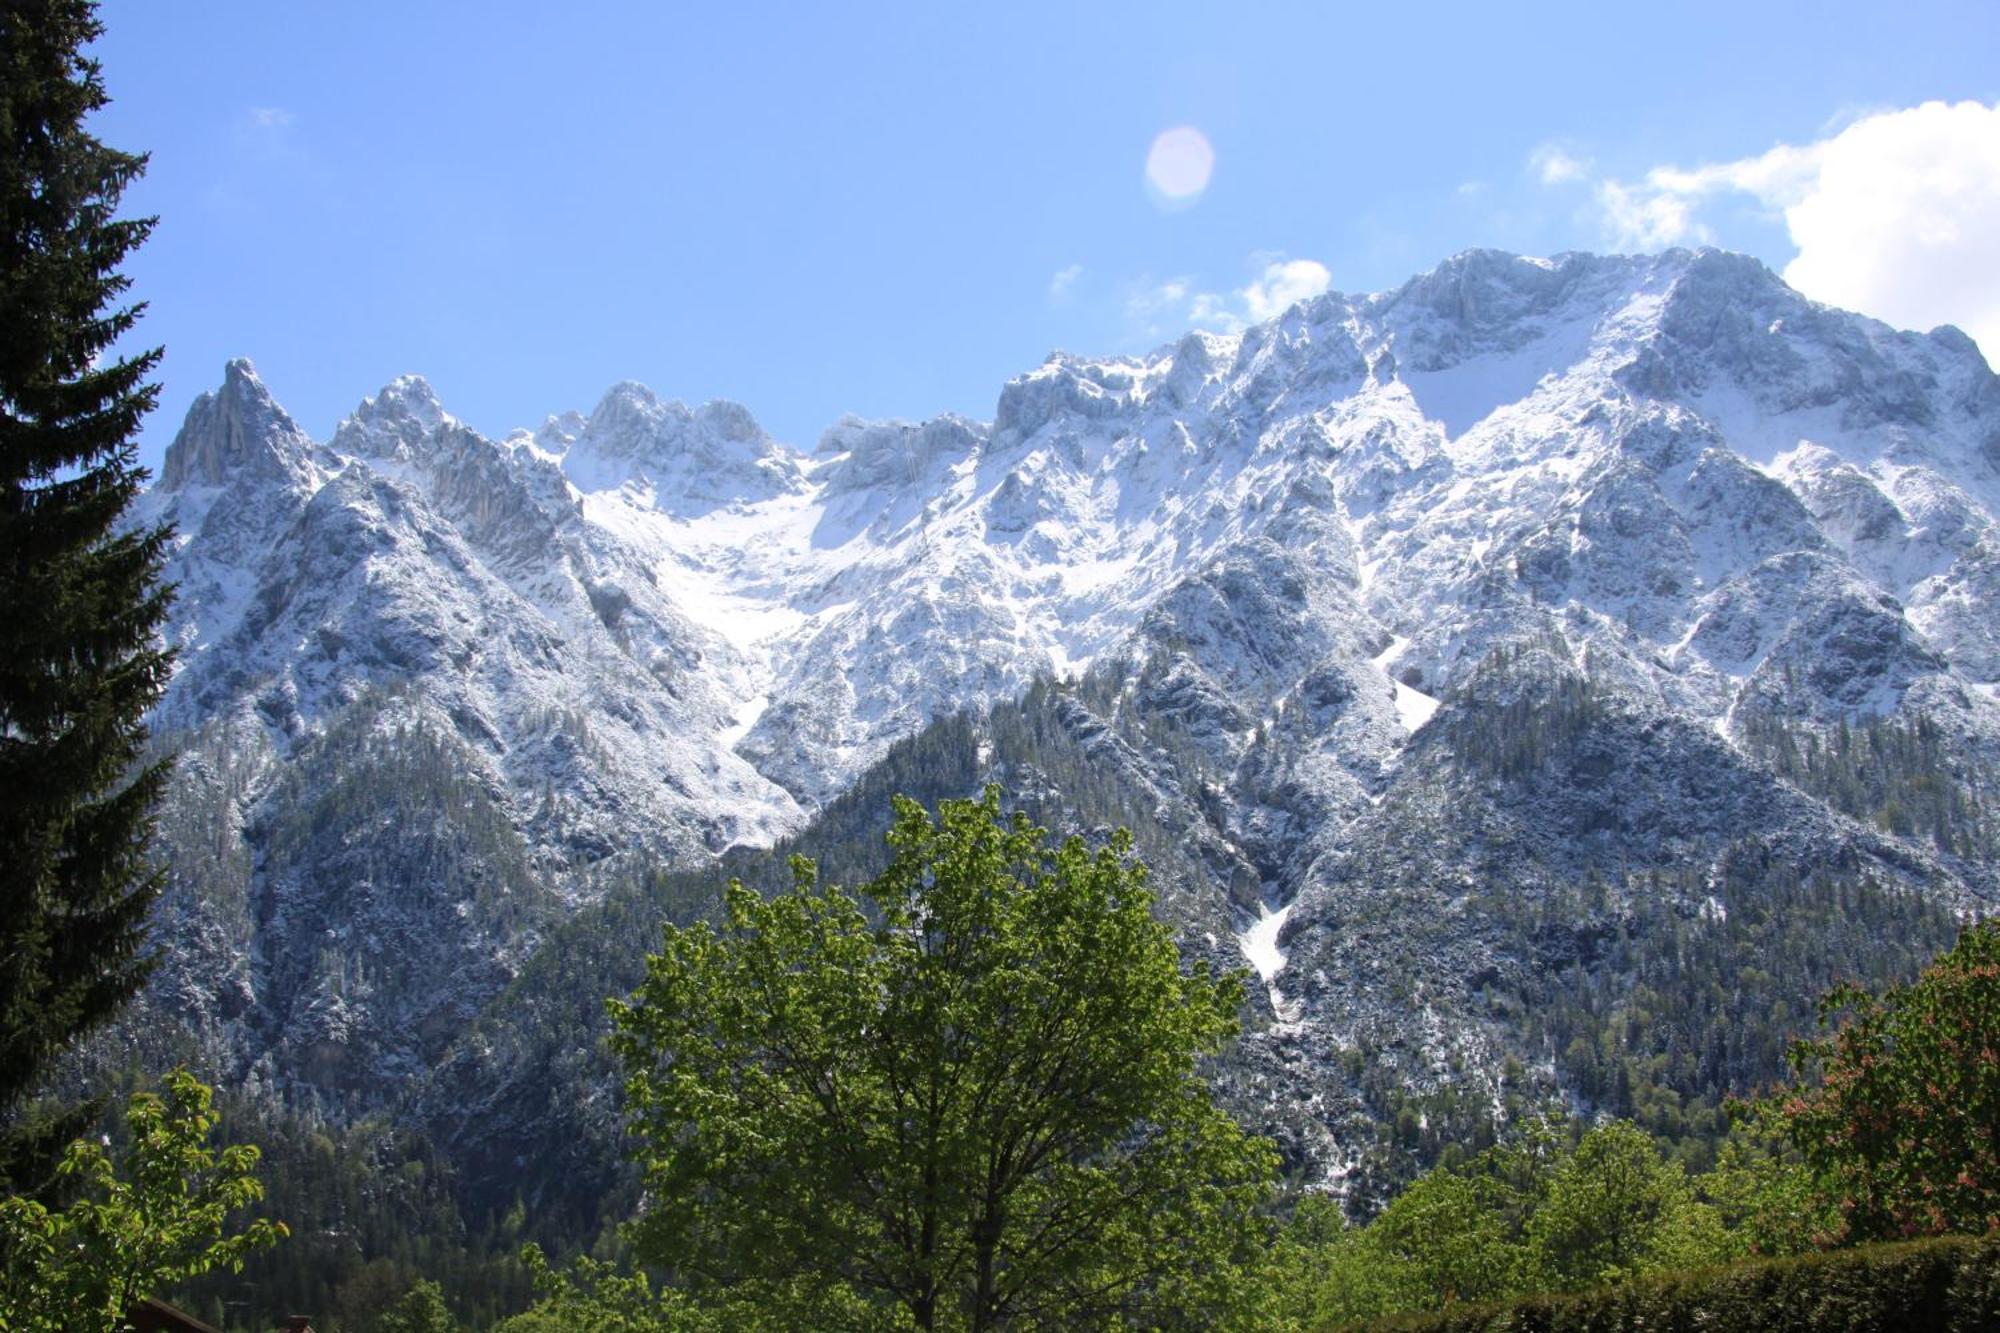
1550 675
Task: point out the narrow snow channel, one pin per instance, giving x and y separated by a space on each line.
746 718
1413 706
1364 568
1260 942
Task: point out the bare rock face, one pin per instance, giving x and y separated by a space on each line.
238 430
1401 620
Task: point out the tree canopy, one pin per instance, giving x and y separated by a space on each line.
1896 1104
80 600
158 1216
966 1094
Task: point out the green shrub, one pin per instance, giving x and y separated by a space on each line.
1950 1284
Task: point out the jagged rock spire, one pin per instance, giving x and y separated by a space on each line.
237 429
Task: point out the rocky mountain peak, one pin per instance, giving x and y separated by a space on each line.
631 419
695 458
1732 336
237 430
1066 385
396 424
1485 288
559 430
1197 360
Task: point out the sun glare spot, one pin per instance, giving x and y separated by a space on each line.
1178 166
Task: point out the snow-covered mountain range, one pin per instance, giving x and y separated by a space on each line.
1285 580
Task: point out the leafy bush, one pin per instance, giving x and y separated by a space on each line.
1950 1284
1534 1213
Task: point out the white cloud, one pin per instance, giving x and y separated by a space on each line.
269 117
1063 283
1663 208
1897 215
1639 218
1556 165
1903 221
1162 309
1284 284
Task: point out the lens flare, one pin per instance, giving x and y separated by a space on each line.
1178 166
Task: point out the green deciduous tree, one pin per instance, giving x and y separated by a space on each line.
80 601
1897 1107
1765 1198
1439 1242
1339 1281
596 1297
159 1216
1446 1235
421 1309
966 1094
1614 1209
1533 1212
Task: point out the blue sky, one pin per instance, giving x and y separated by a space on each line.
890 211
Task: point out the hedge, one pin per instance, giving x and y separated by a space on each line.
1951 1284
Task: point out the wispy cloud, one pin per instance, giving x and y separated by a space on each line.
1664 208
1555 164
1063 284
269 118
1162 308
1896 215
1283 284
1156 308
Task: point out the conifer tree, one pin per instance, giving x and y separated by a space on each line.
80 597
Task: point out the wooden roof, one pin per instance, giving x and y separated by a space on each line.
152 1316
